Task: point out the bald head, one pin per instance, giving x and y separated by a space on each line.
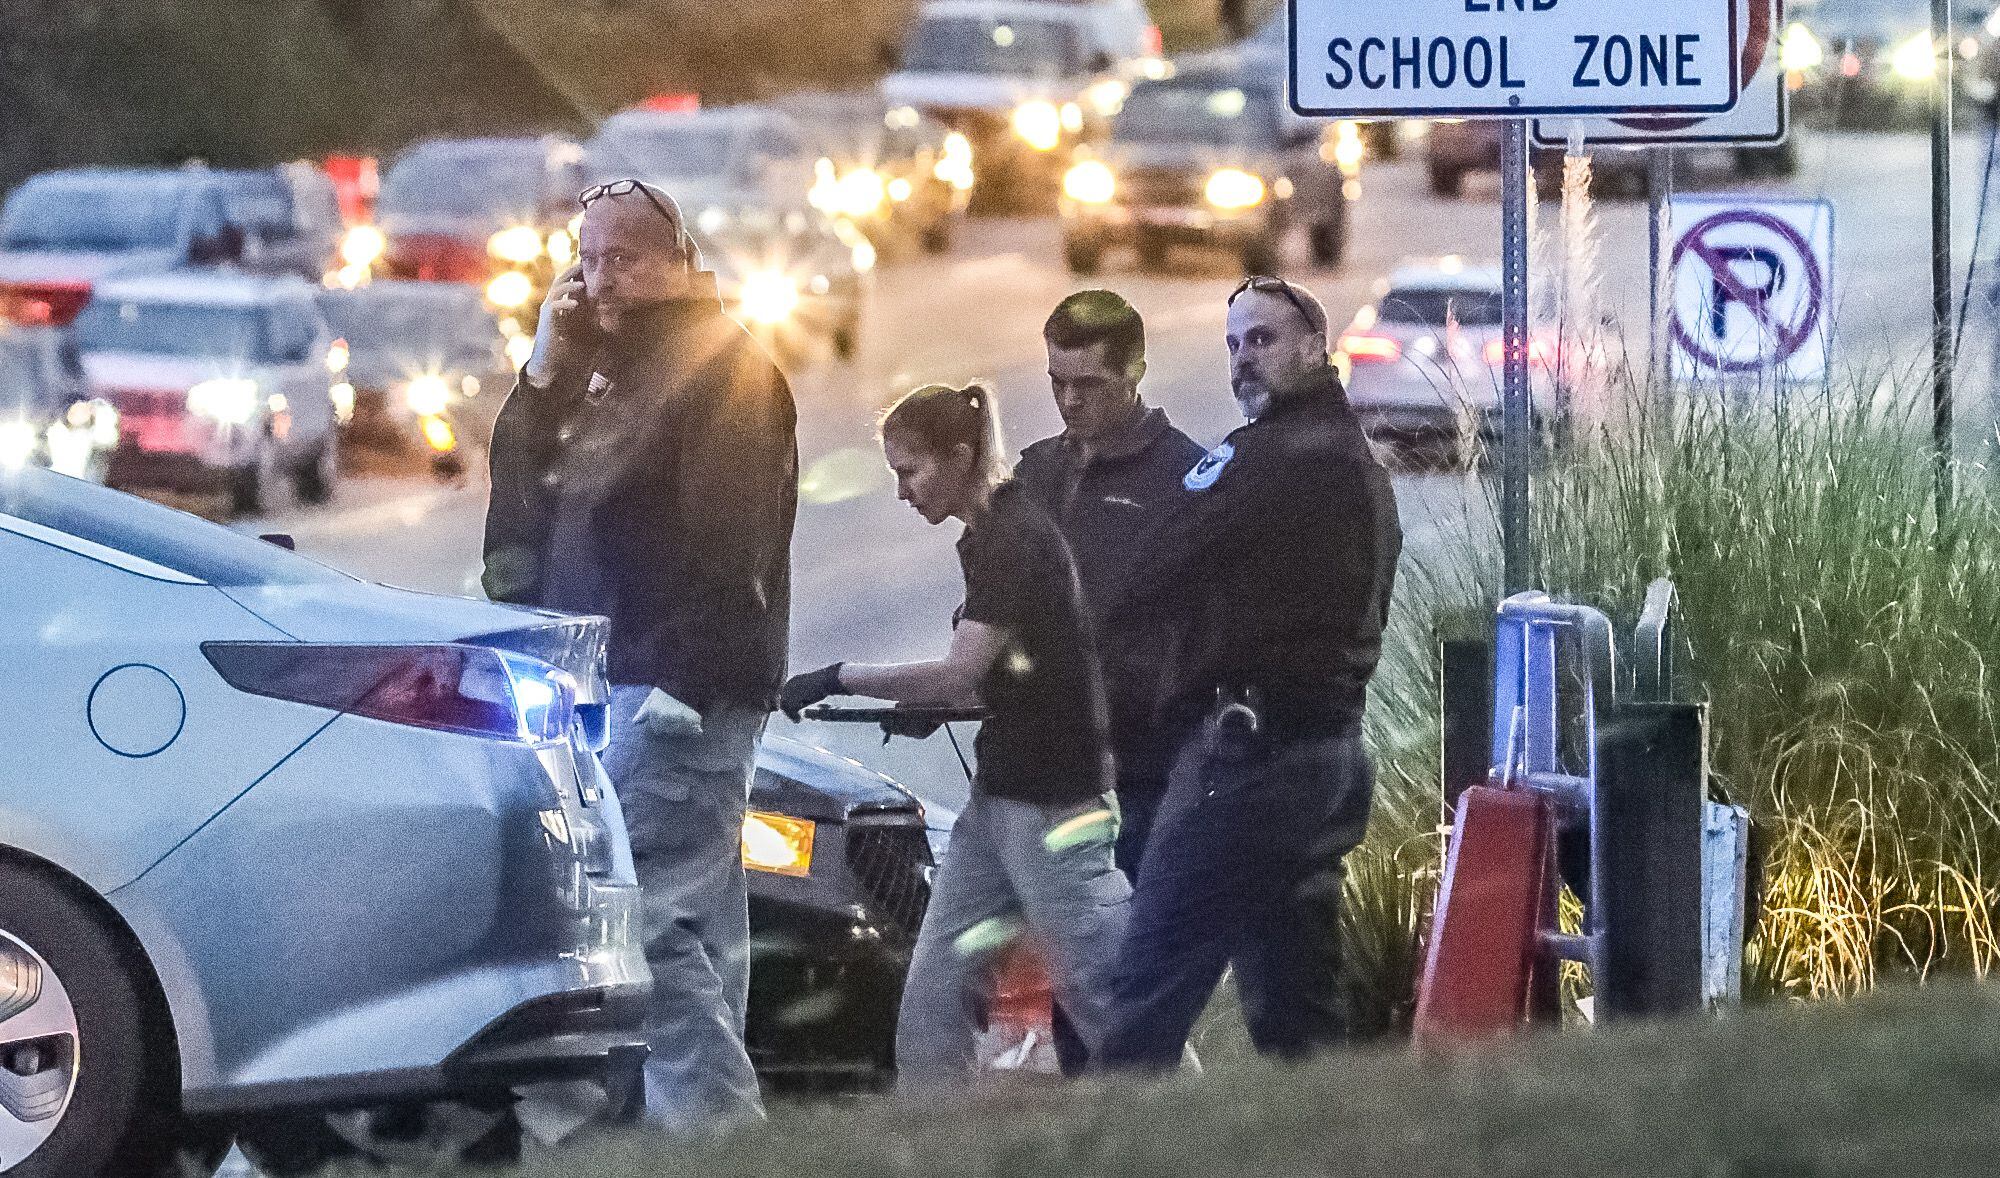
1277 341
635 252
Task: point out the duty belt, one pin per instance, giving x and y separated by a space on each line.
1284 714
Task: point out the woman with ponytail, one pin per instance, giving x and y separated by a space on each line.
1032 850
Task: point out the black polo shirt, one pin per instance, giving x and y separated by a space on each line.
1046 737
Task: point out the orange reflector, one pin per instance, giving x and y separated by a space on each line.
437 432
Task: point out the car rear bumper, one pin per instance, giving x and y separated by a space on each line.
397 914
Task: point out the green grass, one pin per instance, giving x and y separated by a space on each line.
1905 1081
1845 643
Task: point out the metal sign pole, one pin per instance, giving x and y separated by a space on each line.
1942 359
1659 190
1515 421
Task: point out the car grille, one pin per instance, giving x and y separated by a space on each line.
1162 187
892 864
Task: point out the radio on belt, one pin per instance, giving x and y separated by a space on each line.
1512 58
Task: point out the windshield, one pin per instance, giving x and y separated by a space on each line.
171 539
172 329
466 179
1029 48
1430 308
384 330
261 204
683 151
1220 115
91 216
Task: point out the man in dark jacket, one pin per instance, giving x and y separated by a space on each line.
1274 576
1114 469
645 468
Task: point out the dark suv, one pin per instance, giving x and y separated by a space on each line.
1209 158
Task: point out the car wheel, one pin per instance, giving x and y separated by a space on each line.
1445 180
1152 251
1329 241
246 489
1083 257
936 237
313 479
71 989
847 340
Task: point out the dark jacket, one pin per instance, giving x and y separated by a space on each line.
1275 570
1102 500
657 486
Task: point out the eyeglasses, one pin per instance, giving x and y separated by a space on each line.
1264 284
620 188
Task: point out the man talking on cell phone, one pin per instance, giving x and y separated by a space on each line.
645 468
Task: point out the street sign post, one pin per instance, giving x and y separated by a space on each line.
1752 287
1759 119
1510 58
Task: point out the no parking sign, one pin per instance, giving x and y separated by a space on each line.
1752 286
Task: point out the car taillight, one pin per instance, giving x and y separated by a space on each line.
473 690
46 303
1367 348
1153 41
1542 353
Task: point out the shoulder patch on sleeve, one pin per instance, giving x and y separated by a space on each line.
1209 469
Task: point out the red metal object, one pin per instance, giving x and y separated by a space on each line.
355 183
1486 959
45 301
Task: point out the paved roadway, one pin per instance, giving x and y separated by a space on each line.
874 583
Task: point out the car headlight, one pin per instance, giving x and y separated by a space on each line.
861 193
1801 50
230 400
520 245
562 248
768 297
342 395
955 168
1348 149
1039 124
427 395
1091 183
362 246
1234 188
337 356
18 442
510 291
900 190
777 843
1107 97
1915 60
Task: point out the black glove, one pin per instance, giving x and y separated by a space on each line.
803 691
910 726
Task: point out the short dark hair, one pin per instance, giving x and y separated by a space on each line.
1091 317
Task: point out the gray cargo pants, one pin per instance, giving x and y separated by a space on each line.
1012 867
684 797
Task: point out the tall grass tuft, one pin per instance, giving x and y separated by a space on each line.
1845 640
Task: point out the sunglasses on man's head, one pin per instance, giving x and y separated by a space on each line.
1265 284
620 188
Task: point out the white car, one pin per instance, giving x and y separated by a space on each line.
219 382
705 156
1022 80
1423 360
274 841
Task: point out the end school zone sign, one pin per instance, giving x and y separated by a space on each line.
1512 58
